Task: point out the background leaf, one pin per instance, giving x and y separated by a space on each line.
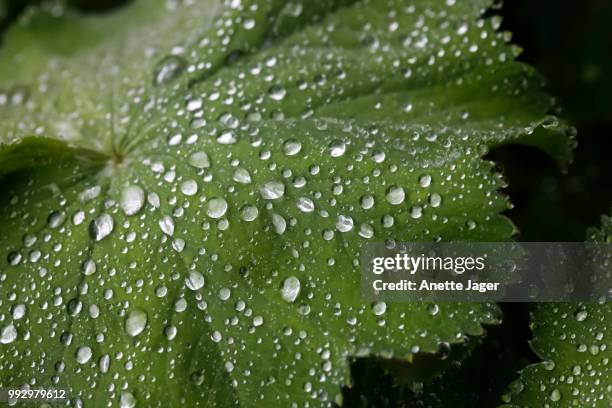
573 341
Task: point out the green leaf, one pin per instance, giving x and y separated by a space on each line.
573 340
188 187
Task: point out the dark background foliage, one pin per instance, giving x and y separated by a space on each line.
570 43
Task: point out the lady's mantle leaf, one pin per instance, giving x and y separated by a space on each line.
192 236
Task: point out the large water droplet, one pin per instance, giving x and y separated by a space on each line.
395 195
337 148
168 69
8 334
344 223
135 322
83 354
292 147
425 180
189 187
227 137
132 200
291 289
127 400
242 176
101 227
199 160
217 207
249 213
277 92
279 223
305 204
167 225
88 267
272 190
195 280
581 315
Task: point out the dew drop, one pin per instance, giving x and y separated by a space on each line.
135 322
167 225
56 219
379 308
83 354
199 160
305 204
277 93
189 187
227 137
292 147
195 280
291 289
8 334
581 315
19 311
242 176
224 293
104 363
344 223
217 207
249 213
425 180
367 202
101 227
272 190
337 148
395 195
194 104
132 200
279 223
168 69
127 400
435 200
